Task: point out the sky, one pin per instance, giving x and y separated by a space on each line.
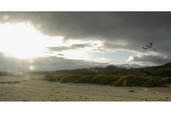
47 41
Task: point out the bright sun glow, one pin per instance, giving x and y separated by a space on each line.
23 40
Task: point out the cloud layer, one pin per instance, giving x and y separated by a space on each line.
50 63
116 30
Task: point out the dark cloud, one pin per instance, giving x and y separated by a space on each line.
151 60
80 45
110 25
72 47
135 29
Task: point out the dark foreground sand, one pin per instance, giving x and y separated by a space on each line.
29 88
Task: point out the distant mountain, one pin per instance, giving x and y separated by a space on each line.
128 66
153 76
168 65
163 70
111 67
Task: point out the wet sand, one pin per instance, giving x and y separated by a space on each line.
29 88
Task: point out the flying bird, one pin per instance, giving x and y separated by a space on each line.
149 46
151 43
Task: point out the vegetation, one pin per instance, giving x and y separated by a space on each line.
111 75
9 73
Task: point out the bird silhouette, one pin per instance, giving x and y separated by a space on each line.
149 46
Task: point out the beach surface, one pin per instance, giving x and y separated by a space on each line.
32 88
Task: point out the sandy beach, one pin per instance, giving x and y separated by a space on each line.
31 88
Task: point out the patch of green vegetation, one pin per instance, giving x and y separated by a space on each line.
115 80
104 79
11 73
4 73
51 78
141 81
111 75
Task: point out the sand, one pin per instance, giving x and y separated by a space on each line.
29 88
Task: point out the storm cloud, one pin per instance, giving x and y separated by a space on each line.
74 46
116 30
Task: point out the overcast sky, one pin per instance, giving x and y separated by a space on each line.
81 39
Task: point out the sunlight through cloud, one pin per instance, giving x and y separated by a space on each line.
23 40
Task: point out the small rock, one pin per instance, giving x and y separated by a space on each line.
25 100
86 98
131 91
